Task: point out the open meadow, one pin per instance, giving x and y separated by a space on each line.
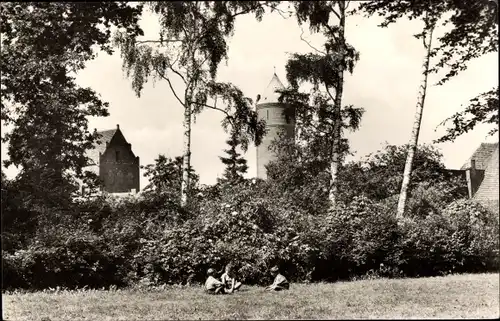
455 296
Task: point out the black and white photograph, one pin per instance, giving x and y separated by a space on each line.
235 160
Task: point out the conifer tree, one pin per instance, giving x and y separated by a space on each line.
236 165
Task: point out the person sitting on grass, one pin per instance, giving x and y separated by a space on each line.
280 282
212 285
229 281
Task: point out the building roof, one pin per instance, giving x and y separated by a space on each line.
100 145
481 156
488 190
270 95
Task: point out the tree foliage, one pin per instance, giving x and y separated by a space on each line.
482 109
324 69
378 177
165 176
236 165
313 122
302 178
472 28
299 175
190 46
43 46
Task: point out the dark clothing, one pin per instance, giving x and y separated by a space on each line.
280 283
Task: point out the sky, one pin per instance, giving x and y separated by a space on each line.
385 83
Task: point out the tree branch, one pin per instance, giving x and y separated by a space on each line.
329 93
158 41
309 44
335 12
229 116
171 87
347 5
280 12
332 33
244 11
178 73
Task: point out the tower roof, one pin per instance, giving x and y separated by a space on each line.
100 145
270 95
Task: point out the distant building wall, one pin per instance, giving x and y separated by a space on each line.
119 169
474 178
279 118
488 191
482 185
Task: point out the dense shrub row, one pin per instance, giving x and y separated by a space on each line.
106 242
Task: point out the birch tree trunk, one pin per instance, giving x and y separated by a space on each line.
416 130
337 122
186 159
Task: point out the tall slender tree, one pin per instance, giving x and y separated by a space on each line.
473 32
325 69
191 44
427 41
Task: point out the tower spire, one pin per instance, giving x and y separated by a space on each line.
278 117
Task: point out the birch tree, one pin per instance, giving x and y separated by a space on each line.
191 44
473 33
325 68
426 37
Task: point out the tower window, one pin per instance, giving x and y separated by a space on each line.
267 114
117 154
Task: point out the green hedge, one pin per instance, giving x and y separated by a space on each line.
150 240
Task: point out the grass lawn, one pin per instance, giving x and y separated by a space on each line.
456 296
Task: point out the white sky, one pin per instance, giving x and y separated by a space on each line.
385 83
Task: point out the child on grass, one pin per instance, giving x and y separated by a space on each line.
212 285
280 282
229 281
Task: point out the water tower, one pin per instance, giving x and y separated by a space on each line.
279 118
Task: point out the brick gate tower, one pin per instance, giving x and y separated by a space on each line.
279 118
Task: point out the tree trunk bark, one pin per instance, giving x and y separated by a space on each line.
415 132
337 122
186 160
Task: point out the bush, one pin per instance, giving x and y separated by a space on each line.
463 237
238 228
150 240
475 232
357 238
425 247
92 245
78 262
429 198
432 197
